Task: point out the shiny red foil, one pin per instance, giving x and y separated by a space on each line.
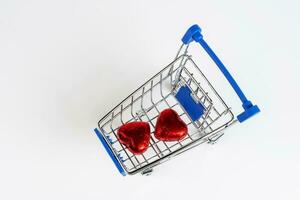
169 126
135 136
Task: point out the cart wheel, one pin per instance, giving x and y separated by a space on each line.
213 140
147 172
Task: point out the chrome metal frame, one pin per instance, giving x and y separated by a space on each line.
145 104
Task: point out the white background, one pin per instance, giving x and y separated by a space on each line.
64 64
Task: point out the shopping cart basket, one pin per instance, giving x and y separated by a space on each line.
183 87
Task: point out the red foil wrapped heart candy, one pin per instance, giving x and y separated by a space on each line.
170 127
135 136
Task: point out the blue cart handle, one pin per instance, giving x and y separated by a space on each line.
194 34
110 152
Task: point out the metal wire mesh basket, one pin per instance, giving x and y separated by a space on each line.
183 87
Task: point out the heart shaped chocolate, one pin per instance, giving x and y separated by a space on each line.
170 127
135 136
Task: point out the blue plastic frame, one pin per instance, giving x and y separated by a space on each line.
194 109
110 153
194 34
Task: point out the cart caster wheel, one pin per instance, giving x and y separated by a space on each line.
147 172
214 139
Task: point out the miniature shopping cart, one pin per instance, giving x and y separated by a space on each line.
183 87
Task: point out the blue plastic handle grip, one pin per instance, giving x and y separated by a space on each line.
110 153
194 34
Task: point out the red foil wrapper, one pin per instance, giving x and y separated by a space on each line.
170 127
135 136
